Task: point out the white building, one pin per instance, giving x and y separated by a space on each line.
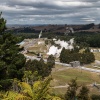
95 50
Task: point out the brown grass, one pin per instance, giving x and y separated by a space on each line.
61 78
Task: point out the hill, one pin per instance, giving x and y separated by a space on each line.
59 29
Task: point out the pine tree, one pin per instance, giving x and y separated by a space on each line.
51 61
2 24
83 94
11 61
71 92
95 97
62 56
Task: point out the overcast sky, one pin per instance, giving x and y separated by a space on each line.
50 11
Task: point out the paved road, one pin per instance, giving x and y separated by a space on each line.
56 62
90 69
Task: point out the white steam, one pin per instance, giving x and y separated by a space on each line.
53 50
40 34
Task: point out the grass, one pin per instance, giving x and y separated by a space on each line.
82 76
62 77
38 48
97 55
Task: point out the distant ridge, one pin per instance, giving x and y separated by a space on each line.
53 28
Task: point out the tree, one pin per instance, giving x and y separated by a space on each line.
63 56
38 66
68 56
87 58
71 91
2 24
51 61
99 26
83 94
11 61
30 77
95 97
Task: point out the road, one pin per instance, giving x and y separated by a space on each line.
90 69
56 62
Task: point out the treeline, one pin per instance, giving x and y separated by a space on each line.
85 27
92 40
81 38
26 35
23 30
68 56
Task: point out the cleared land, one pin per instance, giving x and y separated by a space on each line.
97 56
62 75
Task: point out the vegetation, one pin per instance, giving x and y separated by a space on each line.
2 24
68 56
22 80
62 75
28 80
11 61
42 68
38 91
84 93
86 27
25 35
92 40
83 38
95 97
72 89
51 61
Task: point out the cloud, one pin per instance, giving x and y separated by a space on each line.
88 19
50 11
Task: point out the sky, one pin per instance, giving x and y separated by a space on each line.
51 11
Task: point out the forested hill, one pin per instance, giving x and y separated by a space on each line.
53 28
